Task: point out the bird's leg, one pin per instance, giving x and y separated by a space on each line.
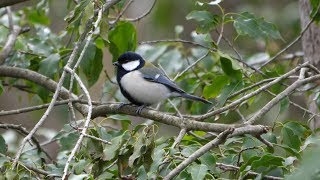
138 111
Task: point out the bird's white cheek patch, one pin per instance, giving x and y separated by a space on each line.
129 66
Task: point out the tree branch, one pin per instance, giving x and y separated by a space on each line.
4 3
218 140
14 32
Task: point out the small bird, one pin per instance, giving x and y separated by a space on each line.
143 84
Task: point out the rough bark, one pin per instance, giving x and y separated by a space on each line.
311 48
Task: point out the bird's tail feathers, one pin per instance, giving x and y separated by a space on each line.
192 97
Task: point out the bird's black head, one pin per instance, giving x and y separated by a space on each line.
129 61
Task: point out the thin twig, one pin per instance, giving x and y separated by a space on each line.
86 125
39 171
96 138
292 43
218 140
121 13
145 14
14 32
192 65
23 131
227 167
240 100
34 108
178 40
280 96
54 98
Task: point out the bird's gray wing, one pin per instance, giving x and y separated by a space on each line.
156 75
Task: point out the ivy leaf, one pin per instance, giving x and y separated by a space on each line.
248 24
122 38
91 64
198 171
50 65
206 20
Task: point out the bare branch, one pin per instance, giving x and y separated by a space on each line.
86 125
292 43
218 140
240 100
145 14
122 12
192 65
39 171
178 40
280 96
4 3
34 108
14 32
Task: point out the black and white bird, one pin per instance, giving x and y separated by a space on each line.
143 84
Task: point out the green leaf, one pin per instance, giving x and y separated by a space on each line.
142 174
315 13
229 70
186 152
171 61
293 133
111 150
122 38
309 167
91 64
227 91
80 166
86 15
1 88
50 65
214 89
290 138
38 17
40 47
206 20
267 160
68 141
3 146
125 121
248 24
284 104
198 171
209 160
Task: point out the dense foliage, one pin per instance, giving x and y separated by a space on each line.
208 65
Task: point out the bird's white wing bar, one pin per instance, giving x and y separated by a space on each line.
129 66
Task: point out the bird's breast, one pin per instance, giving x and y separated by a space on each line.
142 90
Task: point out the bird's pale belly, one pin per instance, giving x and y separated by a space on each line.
142 90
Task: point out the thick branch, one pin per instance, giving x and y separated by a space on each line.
4 3
39 79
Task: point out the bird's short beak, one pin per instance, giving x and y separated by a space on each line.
116 63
